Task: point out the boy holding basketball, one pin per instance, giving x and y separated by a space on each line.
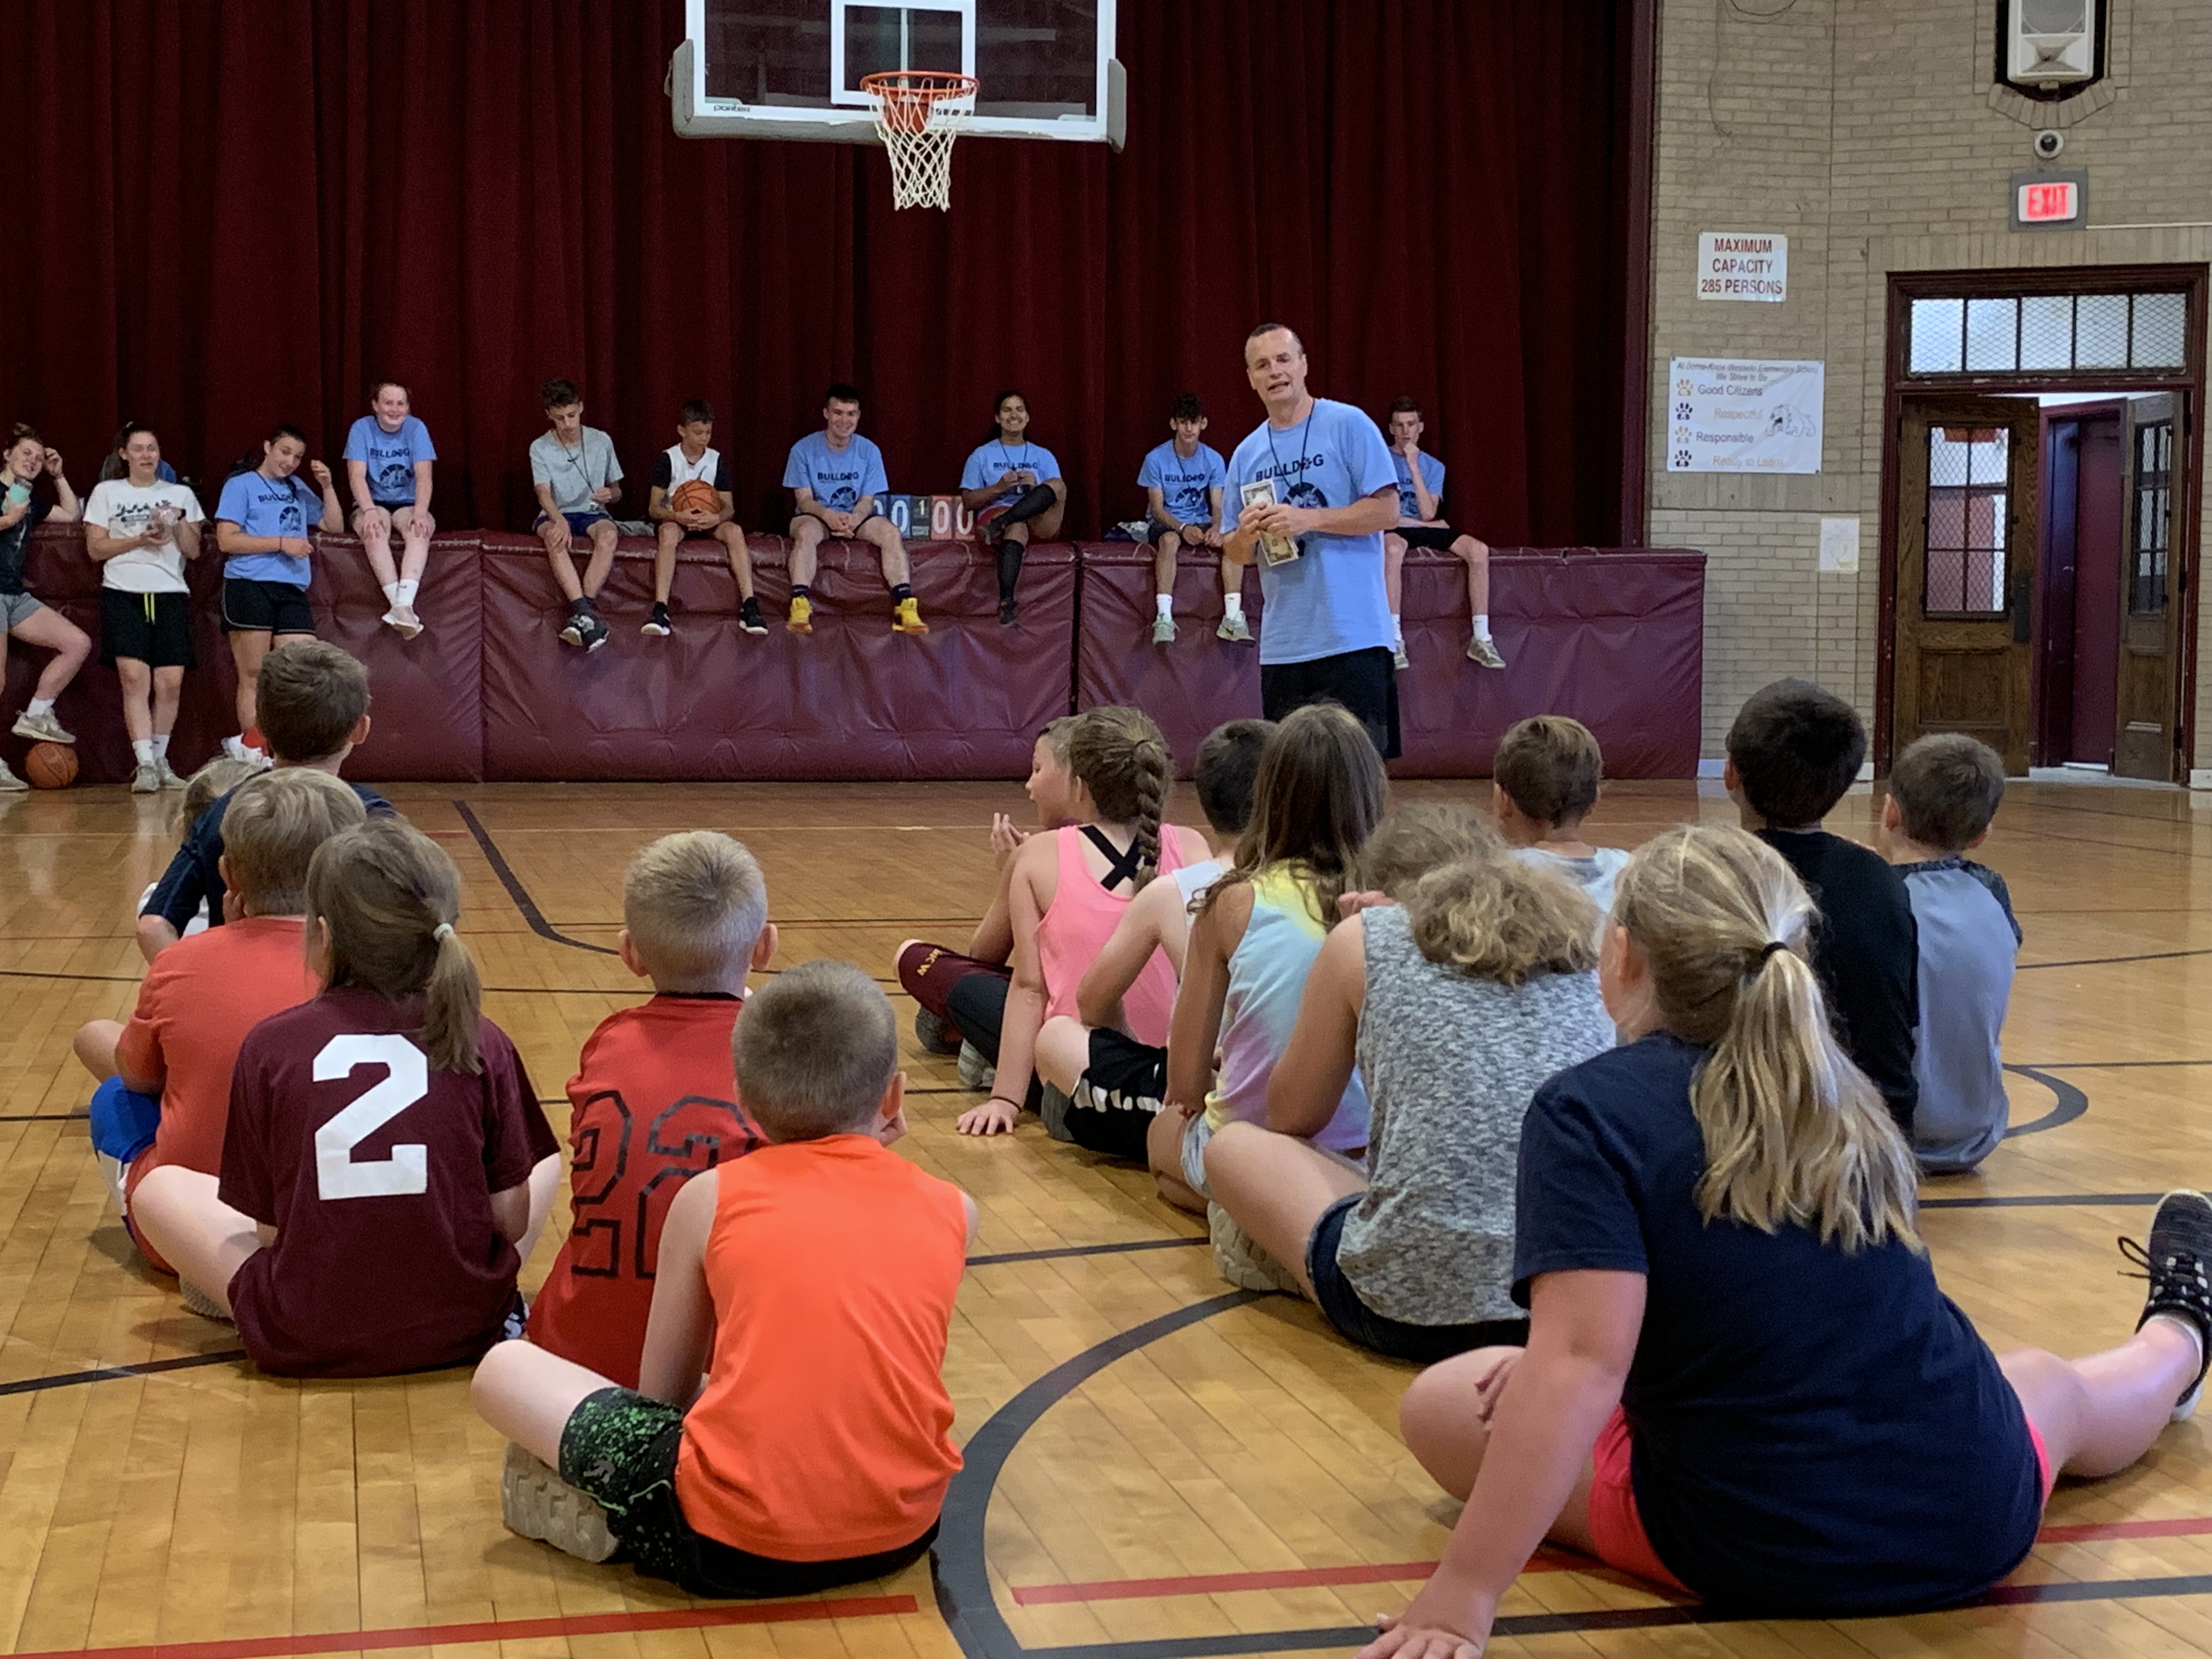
694 918
574 470
809 1286
692 500
836 477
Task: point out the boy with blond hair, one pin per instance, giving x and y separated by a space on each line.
166 1095
654 1100
1543 783
809 1286
1943 791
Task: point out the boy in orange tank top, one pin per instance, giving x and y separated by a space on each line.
654 1100
809 1287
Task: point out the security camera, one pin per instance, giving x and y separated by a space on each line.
2047 145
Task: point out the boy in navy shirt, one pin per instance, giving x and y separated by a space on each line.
1183 480
837 480
1943 791
1794 750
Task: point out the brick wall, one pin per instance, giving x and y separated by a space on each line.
1871 134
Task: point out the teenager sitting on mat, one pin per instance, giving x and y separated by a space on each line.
837 483
1067 890
1014 488
1741 1378
23 462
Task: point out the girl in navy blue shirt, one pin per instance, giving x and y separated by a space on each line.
1740 1377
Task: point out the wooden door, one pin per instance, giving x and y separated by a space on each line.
2144 745
1966 571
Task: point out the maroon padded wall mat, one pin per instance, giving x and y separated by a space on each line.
852 701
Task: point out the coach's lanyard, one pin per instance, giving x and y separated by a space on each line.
1005 456
1305 437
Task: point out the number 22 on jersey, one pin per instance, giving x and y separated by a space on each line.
406 1080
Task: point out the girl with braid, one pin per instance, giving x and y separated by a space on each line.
1067 890
1320 792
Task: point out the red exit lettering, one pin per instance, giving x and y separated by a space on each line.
2050 203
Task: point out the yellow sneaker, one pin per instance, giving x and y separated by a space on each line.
907 618
801 619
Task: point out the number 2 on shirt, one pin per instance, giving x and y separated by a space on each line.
407 1079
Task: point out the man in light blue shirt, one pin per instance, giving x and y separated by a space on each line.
836 479
1421 524
1323 493
1183 480
388 456
1017 484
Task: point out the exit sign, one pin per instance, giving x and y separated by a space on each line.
2050 201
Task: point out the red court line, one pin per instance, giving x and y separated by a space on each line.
498 1629
1544 1560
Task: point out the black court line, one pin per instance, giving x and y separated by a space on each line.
95 979
45 1117
1064 1250
2042 1201
2070 1104
515 890
110 1373
2103 962
2100 1065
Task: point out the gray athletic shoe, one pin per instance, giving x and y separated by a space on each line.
201 1303
1052 1108
1235 629
41 728
1484 653
147 779
9 783
976 1072
934 1036
1398 658
1164 630
1240 1260
2178 1262
536 1502
168 774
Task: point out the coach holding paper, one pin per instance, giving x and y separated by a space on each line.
1326 631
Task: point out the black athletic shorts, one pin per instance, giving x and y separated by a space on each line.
1364 682
154 628
1121 1092
258 607
620 1447
1355 1321
1438 536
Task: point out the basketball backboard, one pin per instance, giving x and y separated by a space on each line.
792 69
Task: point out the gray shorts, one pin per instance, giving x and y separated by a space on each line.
16 609
1195 1134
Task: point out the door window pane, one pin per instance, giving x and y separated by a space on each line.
1992 336
1938 337
1968 474
2161 330
2100 331
2149 535
2046 330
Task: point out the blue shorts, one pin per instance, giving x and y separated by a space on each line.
1354 1321
580 524
123 1122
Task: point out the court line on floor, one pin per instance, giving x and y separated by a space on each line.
113 1373
500 1630
1060 1252
515 890
2106 962
2068 1104
2042 1201
45 1117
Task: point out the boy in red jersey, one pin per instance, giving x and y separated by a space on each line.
654 1100
810 1286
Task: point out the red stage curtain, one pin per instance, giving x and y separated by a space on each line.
226 213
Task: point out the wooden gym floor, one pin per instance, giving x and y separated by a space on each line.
1158 1467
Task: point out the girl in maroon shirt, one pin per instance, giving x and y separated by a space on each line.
386 1154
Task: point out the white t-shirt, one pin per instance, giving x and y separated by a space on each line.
119 509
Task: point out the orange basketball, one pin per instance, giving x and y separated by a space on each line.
50 766
695 496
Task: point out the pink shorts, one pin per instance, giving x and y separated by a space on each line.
1617 1531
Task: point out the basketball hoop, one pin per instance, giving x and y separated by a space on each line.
919 113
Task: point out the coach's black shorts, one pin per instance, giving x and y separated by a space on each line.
154 628
1364 682
258 607
1438 536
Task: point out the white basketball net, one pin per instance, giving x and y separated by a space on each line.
918 116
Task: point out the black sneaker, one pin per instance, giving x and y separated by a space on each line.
934 1036
573 631
2178 1264
593 631
657 623
1007 612
749 617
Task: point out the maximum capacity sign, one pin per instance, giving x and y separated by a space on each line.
1736 264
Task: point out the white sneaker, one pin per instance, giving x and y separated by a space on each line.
403 621
536 1502
1398 658
238 749
1164 630
1240 1260
1485 653
168 774
146 780
44 728
9 782
1234 629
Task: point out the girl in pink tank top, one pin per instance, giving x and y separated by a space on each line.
1068 891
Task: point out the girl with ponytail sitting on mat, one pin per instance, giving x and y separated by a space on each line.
1741 1378
386 1155
1067 890
1015 489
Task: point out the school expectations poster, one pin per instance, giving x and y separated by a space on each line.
1743 415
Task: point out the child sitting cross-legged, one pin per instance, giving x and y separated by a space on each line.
1454 1003
1543 783
811 1287
385 1153
1741 1377
167 1096
1943 791
654 1100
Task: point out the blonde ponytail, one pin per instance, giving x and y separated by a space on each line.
1794 1134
